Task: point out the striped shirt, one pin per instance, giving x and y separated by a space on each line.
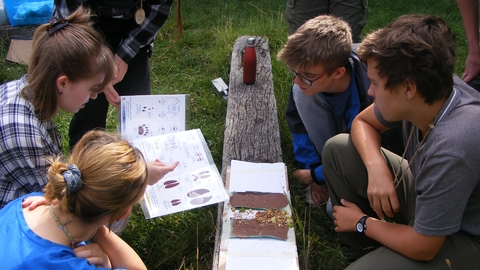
25 143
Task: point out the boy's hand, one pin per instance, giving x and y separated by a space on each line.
305 176
319 193
381 192
345 217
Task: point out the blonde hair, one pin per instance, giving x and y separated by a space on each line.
324 40
113 175
76 50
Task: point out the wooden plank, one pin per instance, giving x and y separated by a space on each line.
251 126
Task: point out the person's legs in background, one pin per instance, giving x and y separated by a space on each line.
297 12
354 12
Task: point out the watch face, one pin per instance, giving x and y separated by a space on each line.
359 227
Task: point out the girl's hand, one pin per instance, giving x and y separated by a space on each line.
33 201
94 254
157 170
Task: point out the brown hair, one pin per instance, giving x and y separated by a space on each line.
419 48
113 175
324 40
75 50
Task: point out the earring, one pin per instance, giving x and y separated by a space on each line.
61 95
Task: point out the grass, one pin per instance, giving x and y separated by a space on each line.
186 240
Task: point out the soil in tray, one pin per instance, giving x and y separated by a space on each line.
252 228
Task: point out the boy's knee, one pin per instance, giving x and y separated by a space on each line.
336 143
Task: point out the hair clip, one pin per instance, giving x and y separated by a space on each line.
56 24
73 179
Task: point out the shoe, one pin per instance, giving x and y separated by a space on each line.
329 208
308 196
309 200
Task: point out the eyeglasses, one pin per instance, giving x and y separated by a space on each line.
305 80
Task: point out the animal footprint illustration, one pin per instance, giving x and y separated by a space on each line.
199 192
200 201
167 115
201 175
146 109
143 130
175 202
171 184
172 101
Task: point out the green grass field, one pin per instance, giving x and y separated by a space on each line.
186 240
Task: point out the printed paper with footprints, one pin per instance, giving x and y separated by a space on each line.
151 115
194 183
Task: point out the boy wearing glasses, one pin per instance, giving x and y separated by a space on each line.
329 90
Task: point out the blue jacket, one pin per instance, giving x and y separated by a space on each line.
305 151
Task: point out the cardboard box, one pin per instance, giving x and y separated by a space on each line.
20 50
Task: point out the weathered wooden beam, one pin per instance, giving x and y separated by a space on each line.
251 126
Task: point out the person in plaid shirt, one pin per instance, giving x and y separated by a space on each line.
69 65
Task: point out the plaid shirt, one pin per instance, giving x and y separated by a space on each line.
25 142
141 36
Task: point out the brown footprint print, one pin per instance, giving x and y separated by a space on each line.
171 184
175 202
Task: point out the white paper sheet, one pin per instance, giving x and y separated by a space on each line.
194 183
260 177
150 115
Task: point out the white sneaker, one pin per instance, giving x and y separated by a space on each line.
329 208
308 196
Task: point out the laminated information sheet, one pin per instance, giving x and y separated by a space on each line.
151 115
194 183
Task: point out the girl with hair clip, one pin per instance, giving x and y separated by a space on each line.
69 65
102 180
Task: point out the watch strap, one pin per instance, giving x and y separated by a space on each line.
363 222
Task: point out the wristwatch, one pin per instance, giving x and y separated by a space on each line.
361 225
